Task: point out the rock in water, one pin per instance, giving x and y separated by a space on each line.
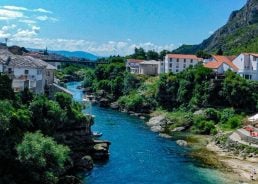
181 143
157 123
114 106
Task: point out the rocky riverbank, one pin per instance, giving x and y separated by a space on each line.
85 150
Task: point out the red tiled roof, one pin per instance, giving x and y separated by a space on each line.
134 60
183 56
225 59
213 64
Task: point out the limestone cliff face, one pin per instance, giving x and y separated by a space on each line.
238 34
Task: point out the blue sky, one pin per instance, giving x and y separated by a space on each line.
107 27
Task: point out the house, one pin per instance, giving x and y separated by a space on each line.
178 62
220 64
26 72
149 67
133 65
144 67
247 64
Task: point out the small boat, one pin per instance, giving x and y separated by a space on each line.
97 134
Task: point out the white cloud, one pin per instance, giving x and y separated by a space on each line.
9 27
24 34
18 8
3 34
27 38
45 18
27 21
10 14
42 10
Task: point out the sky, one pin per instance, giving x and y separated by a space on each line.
111 27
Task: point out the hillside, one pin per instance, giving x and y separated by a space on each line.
78 54
239 34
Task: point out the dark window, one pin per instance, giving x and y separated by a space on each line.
9 70
177 60
170 59
184 60
176 70
26 72
170 65
184 65
191 60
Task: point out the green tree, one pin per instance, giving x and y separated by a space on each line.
42 157
6 91
152 55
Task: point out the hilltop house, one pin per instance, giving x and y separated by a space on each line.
220 64
178 62
26 71
144 67
247 64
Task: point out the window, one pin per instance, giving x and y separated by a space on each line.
184 60
184 65
191 61
170 59
161 64
26 72
177 60
176 70
177 66
170 65
39 72
170 70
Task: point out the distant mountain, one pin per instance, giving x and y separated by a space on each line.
240 34
78 54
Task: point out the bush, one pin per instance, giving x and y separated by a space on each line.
226 114
44 157
212 114
132 102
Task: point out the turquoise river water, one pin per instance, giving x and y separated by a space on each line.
138 155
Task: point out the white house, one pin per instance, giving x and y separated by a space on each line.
144 67
26 71
133 65
220 64
149 67
178 62
247 64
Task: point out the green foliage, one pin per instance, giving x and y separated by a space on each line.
46 115
26 96
203 54
6 91
132 102
131 82
43 156
203 126
89 77
167 91
212 114
64 100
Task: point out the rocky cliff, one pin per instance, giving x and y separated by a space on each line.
240 34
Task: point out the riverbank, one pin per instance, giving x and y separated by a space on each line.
239 168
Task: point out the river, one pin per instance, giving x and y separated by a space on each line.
138 155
